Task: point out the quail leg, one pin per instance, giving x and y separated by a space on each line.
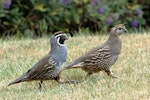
40 85
110 73
89 74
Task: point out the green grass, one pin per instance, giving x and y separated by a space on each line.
133 65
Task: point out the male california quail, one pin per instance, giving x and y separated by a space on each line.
50 66
102 57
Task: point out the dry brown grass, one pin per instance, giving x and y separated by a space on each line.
133 66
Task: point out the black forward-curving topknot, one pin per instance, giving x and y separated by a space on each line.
71 34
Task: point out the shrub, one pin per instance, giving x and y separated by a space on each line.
39 17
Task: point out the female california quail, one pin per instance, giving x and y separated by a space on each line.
50 66
102 57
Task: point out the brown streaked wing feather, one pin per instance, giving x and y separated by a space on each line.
40 69
86 56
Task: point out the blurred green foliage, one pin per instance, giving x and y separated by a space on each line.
38 17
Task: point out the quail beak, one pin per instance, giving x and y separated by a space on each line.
125 30
66 38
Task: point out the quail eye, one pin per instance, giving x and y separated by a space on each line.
120 28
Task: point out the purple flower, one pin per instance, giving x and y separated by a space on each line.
66 2
7 4
100 11
138 12
95 2
109 21
134 23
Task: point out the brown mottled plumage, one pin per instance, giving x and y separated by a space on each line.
102 57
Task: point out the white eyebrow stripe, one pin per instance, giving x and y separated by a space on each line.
59 35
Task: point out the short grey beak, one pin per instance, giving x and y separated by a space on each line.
66 38
125 30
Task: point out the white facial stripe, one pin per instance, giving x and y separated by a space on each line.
58 35
59 43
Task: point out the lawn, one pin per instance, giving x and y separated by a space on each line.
133 66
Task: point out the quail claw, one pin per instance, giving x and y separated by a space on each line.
73 81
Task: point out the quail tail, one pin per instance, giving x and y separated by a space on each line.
74 65
18 80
